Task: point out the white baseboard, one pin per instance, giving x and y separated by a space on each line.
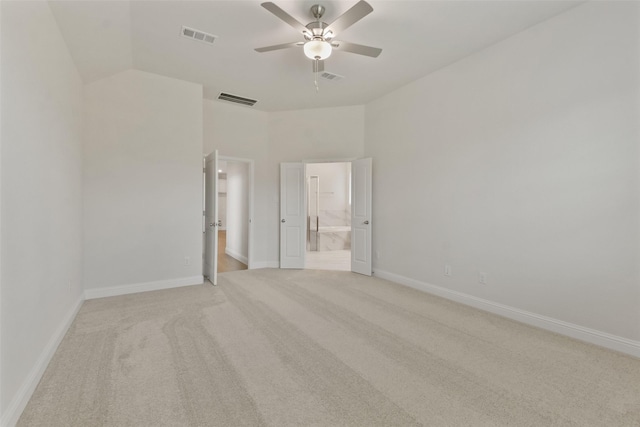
112 291
19 402
603 339
236 255
265 264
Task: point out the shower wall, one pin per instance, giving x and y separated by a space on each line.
334 203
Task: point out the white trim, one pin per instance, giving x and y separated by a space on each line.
20 400
251 236
603 339
111 291
235 159
331 160
236 255
265 264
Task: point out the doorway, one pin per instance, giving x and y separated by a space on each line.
227 215
294 219
328 216
233 215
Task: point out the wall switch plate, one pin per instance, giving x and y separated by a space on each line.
447 270
377 254
187 260
482 278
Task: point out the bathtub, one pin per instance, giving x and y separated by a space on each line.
331 238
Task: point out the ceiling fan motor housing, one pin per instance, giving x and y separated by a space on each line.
316 29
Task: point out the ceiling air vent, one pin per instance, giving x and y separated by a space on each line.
330 76
237 99
190 33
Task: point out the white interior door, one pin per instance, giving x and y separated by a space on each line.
211 217
292 215
361 216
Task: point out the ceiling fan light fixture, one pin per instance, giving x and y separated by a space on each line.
317 49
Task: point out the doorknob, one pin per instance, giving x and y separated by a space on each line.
219 223
366 223
211 224
283 220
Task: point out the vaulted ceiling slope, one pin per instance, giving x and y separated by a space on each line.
417 38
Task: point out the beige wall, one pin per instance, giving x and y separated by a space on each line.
521 161
41 197
272 138
238 210
241 132
142 181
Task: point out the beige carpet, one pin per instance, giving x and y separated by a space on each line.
310 348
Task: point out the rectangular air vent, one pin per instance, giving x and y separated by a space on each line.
330 76
237 99
198 35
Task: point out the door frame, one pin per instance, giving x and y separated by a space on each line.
251 165
305 162
210 227
250 207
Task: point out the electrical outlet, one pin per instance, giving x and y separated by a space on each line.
69 284
482 278
377 254
187 260
447 270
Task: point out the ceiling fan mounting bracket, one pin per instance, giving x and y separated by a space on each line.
317 11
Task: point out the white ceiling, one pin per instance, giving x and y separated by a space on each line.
417 38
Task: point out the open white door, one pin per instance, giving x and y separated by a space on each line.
292 215
211 217
361 216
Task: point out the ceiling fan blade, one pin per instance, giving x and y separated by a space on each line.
278 47
357 48
273 8
350 17
320 68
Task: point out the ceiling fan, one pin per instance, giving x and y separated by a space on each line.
319 36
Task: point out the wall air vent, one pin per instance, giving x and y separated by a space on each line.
237 99
190 33
330 76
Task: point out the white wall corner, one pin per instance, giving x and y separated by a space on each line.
236 255
592 336
20 400
133 288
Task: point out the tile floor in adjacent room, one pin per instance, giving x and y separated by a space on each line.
328 260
